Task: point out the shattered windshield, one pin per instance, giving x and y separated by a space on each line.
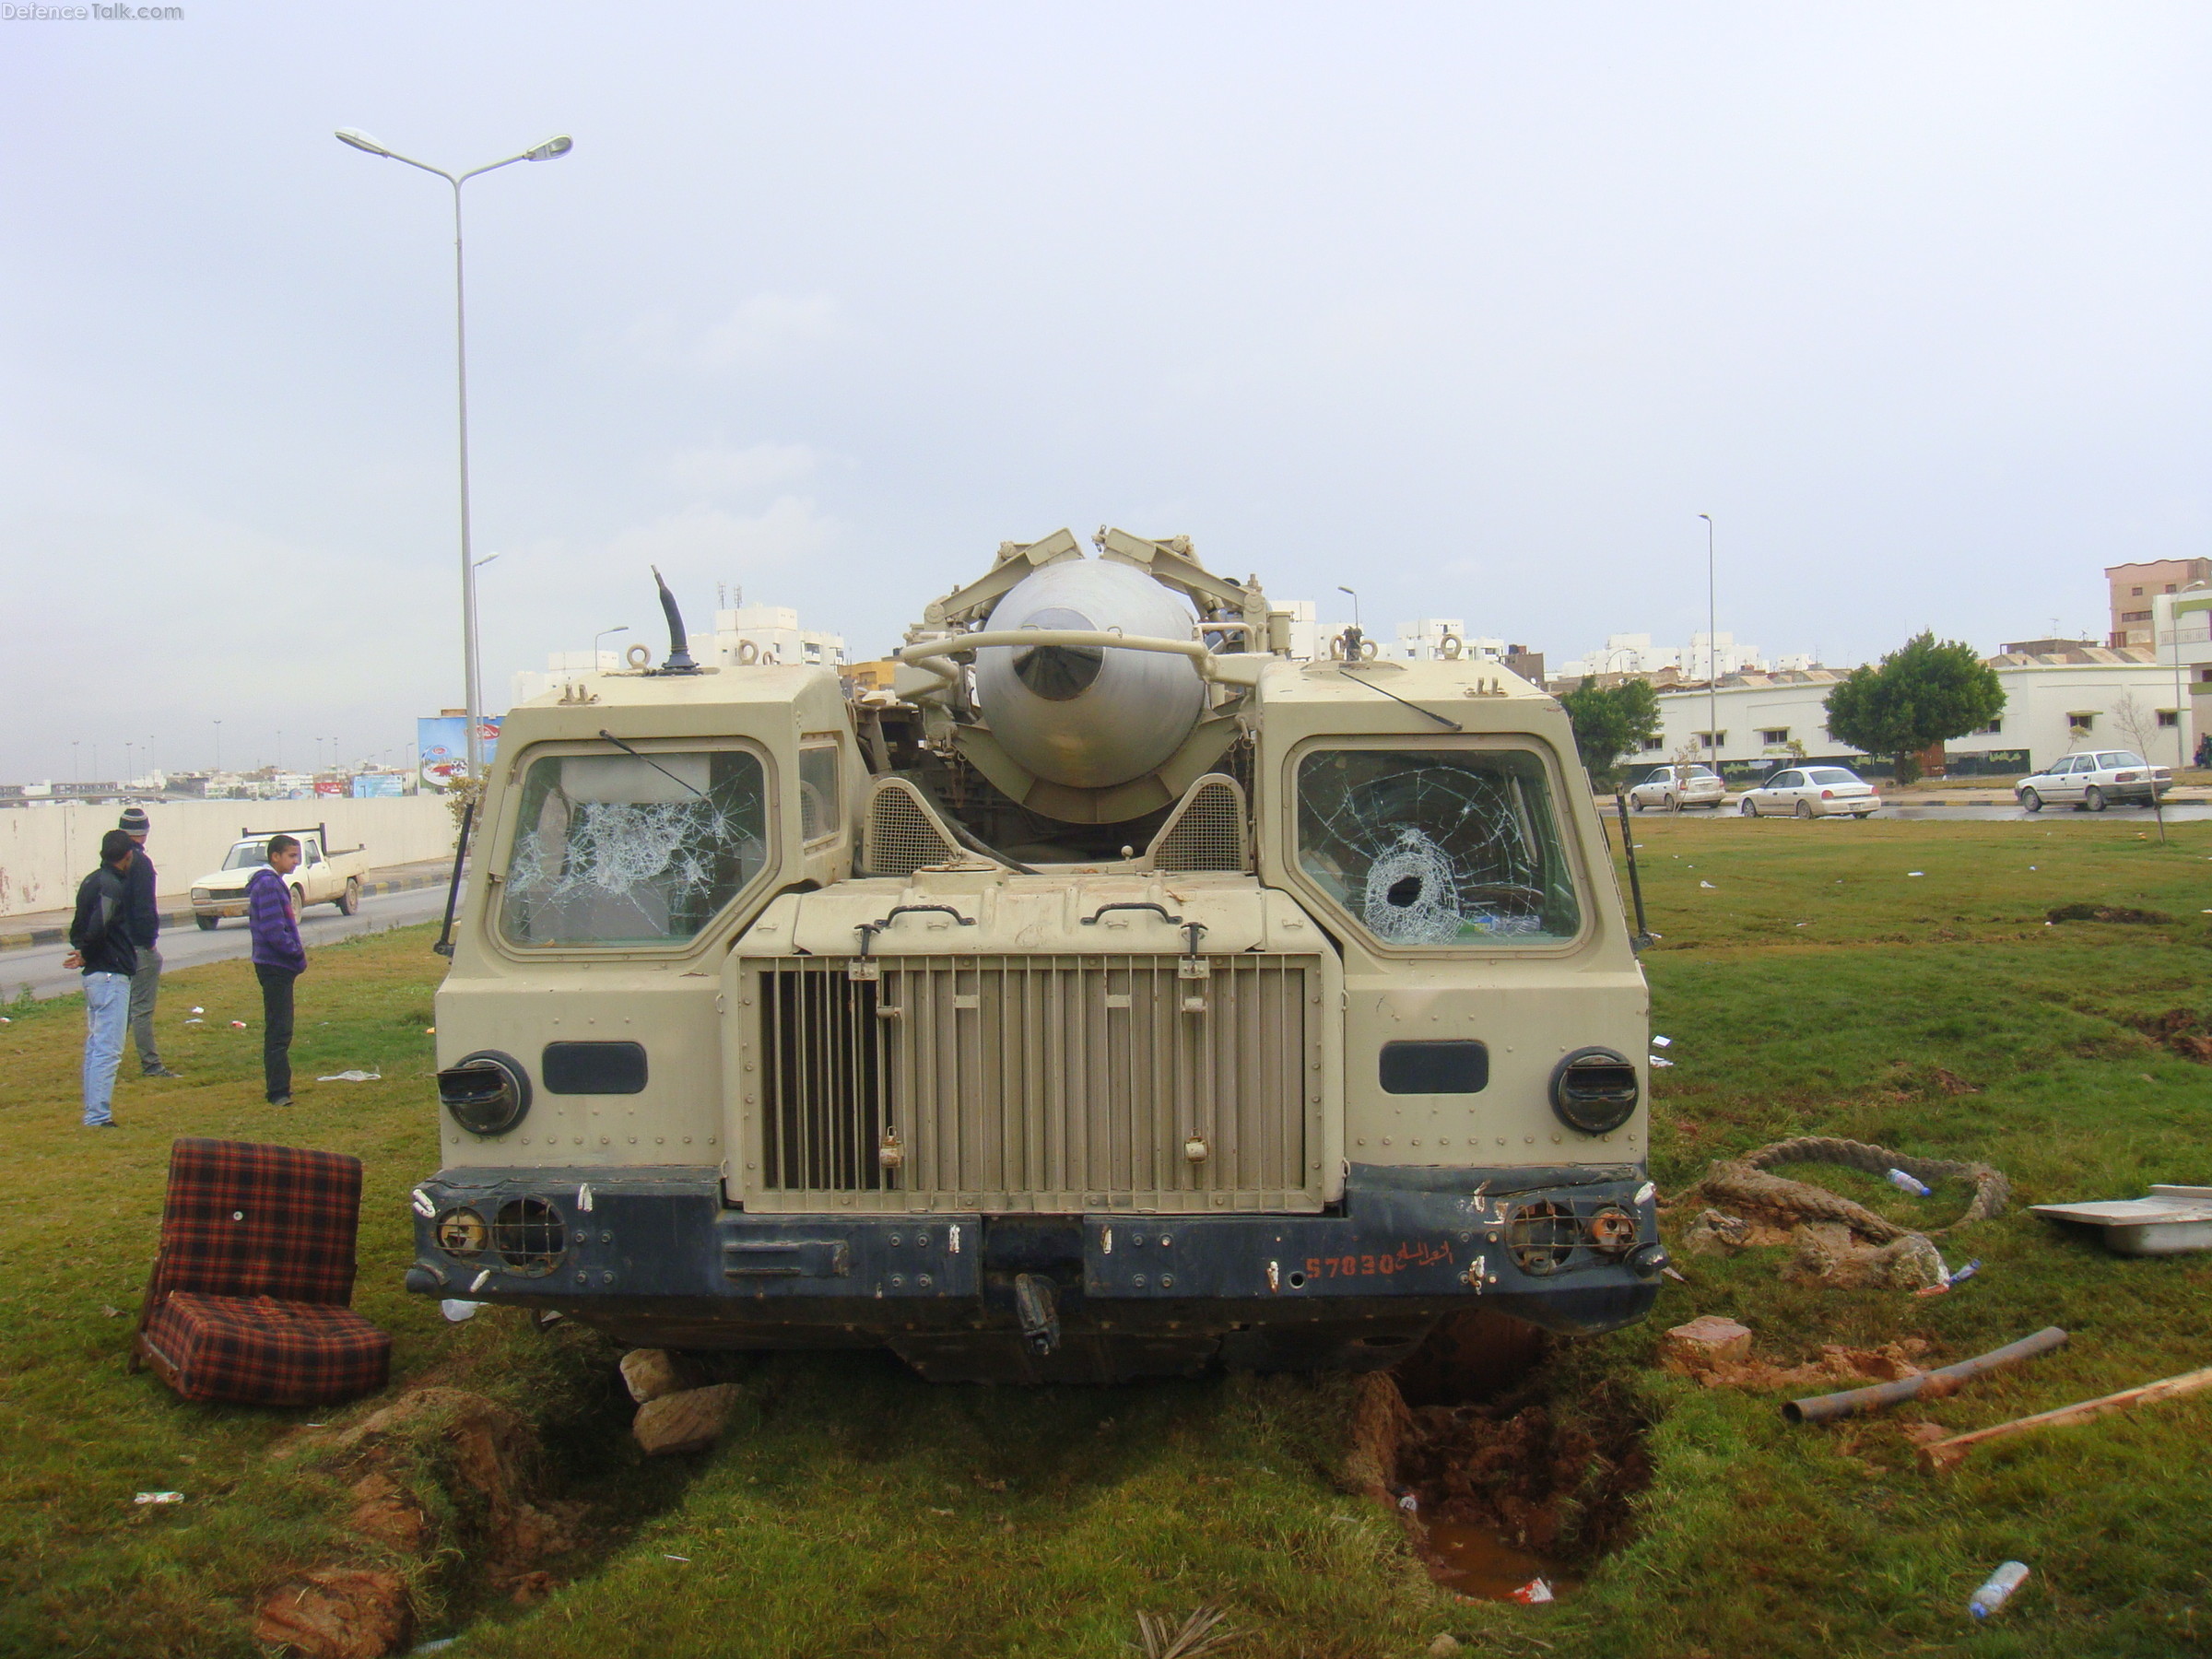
624 850
1445 847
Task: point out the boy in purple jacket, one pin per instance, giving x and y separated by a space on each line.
278 959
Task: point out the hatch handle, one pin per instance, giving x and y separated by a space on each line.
868 930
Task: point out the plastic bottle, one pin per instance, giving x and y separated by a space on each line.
1998 1590
1908 1183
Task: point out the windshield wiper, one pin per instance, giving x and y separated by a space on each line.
652 762
1450 725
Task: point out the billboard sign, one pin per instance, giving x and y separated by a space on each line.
441 748
371 785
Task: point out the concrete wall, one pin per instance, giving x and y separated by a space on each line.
46 851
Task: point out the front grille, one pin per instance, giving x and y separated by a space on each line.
1049 1083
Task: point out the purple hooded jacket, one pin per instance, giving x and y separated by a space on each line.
269 915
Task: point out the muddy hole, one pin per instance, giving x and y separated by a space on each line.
1516 1469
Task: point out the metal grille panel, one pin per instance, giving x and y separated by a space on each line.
1051 1083
903 834
1206 831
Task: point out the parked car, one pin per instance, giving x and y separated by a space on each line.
1672 788
1813 792
2095 779
322 878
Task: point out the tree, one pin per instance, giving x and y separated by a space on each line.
1610 724
1923 693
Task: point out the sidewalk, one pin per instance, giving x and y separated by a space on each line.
28 930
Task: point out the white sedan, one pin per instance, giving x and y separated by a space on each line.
1671 788
2095 779
1813 792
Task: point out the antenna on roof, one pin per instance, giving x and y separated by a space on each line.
680 657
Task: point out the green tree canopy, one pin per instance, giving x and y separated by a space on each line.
1610 724
1922 693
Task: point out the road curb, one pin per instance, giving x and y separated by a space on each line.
38 936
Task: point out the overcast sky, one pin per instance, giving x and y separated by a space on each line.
1471 307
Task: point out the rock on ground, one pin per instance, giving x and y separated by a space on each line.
1707 1340
337 1613
691 1420
649 1373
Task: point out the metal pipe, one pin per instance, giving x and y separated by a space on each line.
1935 1384
1627 840
1094 639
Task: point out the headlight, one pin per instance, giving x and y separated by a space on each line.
199 895
461 1232
1594 1090
488 1093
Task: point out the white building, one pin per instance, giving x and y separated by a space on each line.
765 634
748 634
1635 654
2182 622
2055 703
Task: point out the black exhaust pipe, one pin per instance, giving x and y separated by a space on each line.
679 656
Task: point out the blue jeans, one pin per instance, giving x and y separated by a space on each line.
107 1015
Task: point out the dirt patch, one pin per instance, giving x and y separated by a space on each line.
2110 912
1500 1470
2183 1030
1835 1366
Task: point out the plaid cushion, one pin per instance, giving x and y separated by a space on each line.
260 1351
249 1221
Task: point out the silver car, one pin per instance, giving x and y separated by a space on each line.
2094 779
1672 788
1813 792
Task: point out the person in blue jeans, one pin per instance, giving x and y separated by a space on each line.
99 945
278 959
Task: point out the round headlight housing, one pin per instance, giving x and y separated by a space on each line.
462 1232
488 1093
1594 1090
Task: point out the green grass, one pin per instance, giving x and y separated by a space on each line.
856 1511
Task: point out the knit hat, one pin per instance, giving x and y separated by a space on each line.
133 821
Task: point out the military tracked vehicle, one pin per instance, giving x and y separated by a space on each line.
1110 996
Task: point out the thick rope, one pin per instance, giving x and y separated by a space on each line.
1744 1182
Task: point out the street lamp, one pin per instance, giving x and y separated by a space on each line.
548 150
601 635
1712 654
219 745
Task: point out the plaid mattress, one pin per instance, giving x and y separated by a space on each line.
260 1351
248 1299
249 1221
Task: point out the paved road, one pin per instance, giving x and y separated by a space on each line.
41 967
2191 812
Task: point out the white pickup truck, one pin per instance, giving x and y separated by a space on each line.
322 878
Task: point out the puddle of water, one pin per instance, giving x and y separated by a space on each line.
1474 1561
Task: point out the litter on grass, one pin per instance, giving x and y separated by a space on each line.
196 1022
158 1498
1659 1042
1660 1060
238 1025
2171 1221
457 1311
353 1076
1703 884
687 1559
1536 1592
199 1010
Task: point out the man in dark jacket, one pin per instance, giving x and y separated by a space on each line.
278 959
145 927
99 944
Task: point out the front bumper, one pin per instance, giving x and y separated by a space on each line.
657 1258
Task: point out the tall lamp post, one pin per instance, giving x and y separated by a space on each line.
601 635
1712 653
547 151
